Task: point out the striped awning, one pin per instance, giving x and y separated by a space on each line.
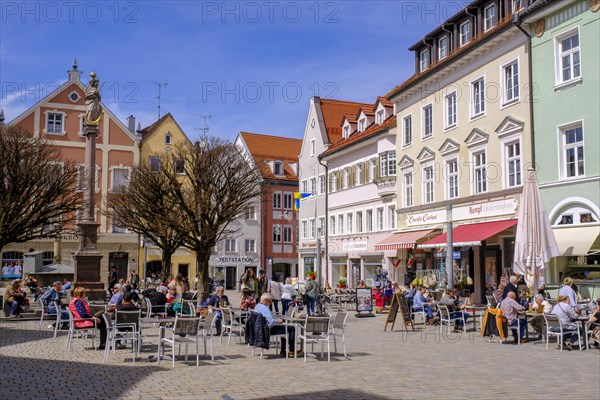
402 240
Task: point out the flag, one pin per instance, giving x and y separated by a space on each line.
411 261
397 262
297 197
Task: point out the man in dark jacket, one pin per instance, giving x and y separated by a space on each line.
276 327
511 287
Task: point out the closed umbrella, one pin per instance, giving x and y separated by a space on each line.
535 244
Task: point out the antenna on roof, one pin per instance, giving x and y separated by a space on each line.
205 127
160 86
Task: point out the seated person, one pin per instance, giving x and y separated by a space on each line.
594 321
51 298
510 309
126 305
539 306
15 298
160 298
33 287
80 309
117 296
67 286
275 326
422 303
449 299
566 314
214 304
247 301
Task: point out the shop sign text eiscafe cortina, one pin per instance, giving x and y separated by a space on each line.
482 210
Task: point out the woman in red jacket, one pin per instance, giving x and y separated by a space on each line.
80 309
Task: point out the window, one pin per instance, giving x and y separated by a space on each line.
277 168
465 33
288 201
427 121
54 123
313 147
304 230
361 125
359 222
250 212
408 130
346 132
350 222
513 164
478 97
276 233
511 81
118 229
313 228
423 60
480 172
387 163
358 178
322 184
452 178
408 189
230 245
305 186
321 227
345 178
168 138
442 47
568 63
380 220
573 151
120 177
341 224
380 117
333 182
287 234
154 163
369 221
372 170
332 225
277 200
392 217
490 17
180 166
313 186
428 184
451 110
250 246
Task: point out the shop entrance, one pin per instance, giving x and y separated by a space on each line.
119 260
230 278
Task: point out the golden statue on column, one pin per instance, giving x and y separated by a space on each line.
92 101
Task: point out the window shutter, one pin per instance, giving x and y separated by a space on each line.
377 167
365 174
352 177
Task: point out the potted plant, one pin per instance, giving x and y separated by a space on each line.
342 284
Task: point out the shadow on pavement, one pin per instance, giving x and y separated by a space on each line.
325 394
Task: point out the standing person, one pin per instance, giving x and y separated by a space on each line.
567 290
287 295
275 290
511 287
263 284
249 281
66 285
80 309
312 291
15 298
134 279
113 279
214 304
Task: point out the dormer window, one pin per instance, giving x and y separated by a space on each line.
380 117
465 33
278 168
346 132
490 17
423 60
168 138
361 125
442 47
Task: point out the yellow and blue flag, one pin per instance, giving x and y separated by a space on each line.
297 197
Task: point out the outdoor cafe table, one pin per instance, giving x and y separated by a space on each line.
584 320
474 308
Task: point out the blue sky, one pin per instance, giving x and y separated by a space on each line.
253 65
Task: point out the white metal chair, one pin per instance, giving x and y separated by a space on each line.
555 328
230 323
207 333
419 311
184 331
45 313
338 329
152 311
83 332
447 319
316 330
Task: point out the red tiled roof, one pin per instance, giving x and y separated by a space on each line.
372 130
269 148
384 101
333 113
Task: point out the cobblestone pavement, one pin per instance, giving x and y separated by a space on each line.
380 365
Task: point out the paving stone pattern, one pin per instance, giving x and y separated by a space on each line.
380 365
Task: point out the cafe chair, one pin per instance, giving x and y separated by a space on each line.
90 331
316 330
184 331
56 316
555 328
125 327
447 319
208 326
154 311
338 329
419 311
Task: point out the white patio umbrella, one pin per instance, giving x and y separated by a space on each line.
535 244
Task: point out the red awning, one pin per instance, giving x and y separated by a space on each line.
470 235
402 240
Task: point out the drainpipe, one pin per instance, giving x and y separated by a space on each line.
326 227
516 21
450 40
475 23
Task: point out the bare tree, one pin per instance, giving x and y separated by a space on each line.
37 196
219 185
147 207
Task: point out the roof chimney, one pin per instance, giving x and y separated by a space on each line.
74 73
131 124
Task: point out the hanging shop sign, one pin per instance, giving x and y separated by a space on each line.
472 211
